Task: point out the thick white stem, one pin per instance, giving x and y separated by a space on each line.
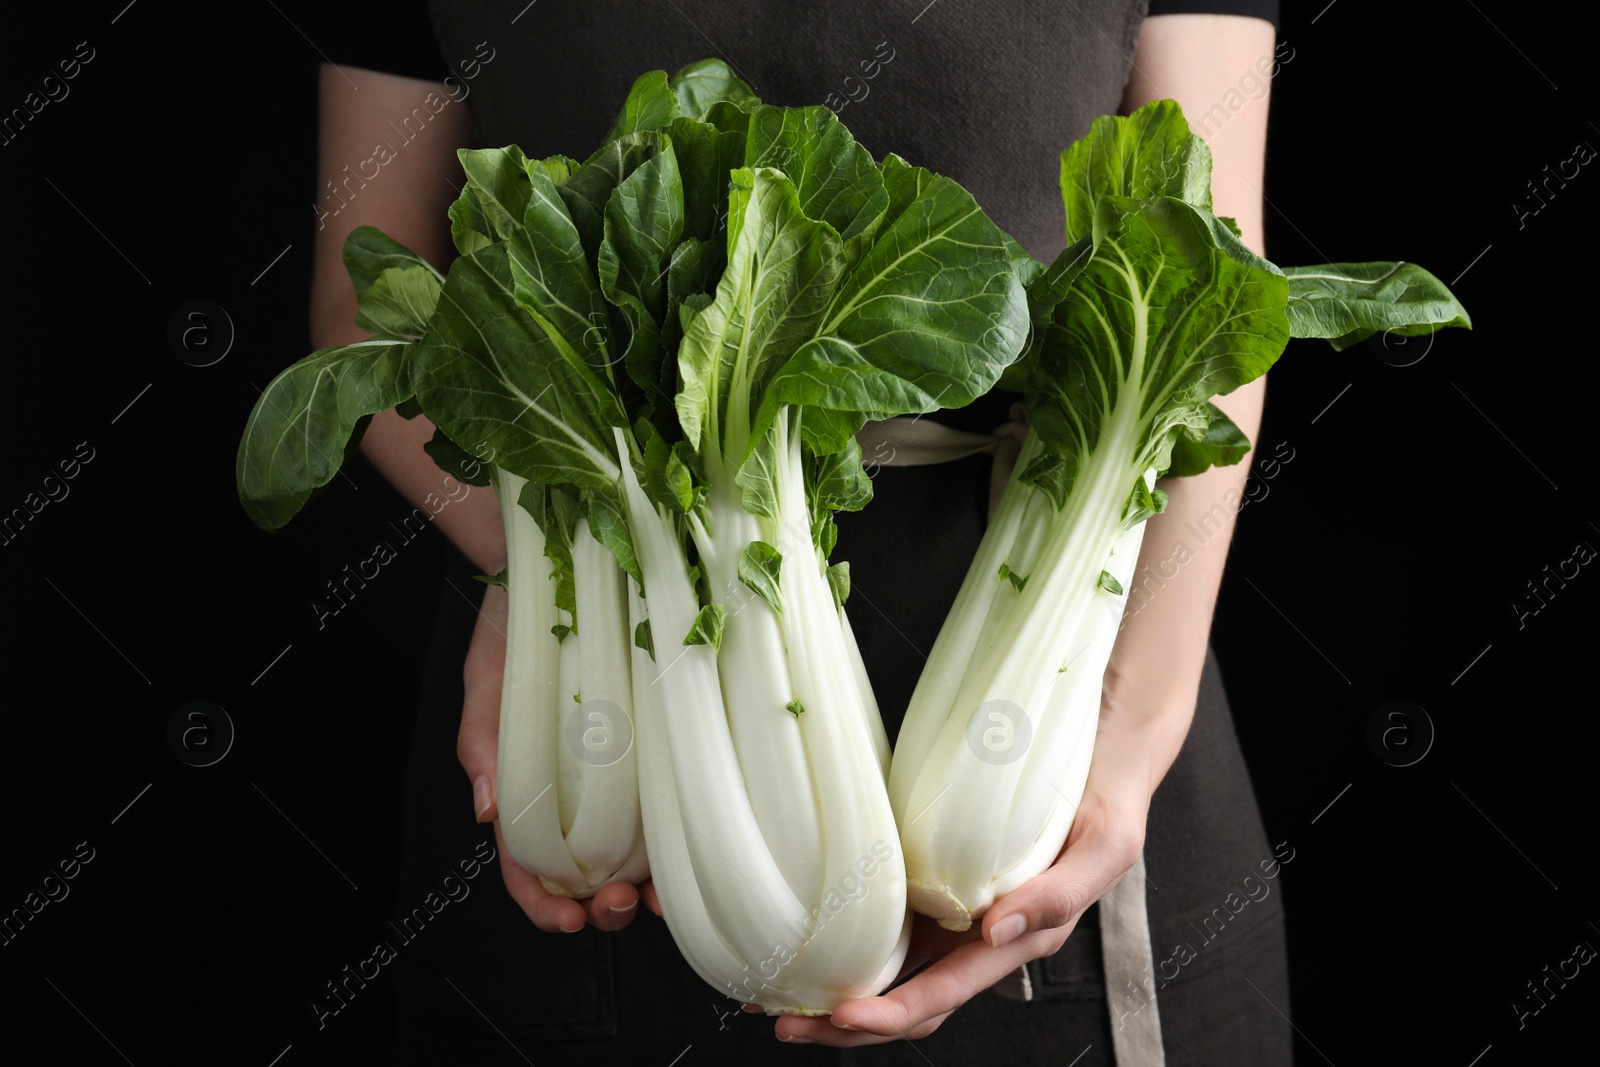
599 731
745 893
528 764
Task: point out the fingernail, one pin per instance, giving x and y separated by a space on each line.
574 930
480 795
1008 929
796 1039
840 1025
623 911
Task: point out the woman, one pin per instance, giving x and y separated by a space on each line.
988 97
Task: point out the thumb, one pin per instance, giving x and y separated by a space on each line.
478 741
1095 859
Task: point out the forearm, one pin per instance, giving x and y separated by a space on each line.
407 199
1154 675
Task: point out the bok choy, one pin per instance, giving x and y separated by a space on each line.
1153 308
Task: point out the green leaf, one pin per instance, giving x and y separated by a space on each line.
1109 583
455 460
643 224
651 105
824 533
706 155
492 579
929 318
609 525
837 481
782 270
469 226
562 631
486 373
642 638
1349 302
1224 444
587 190
1018 581
757 476
839 582
699 85
759 566
399 303
707 628
795 708
307 419
1157 322
555 286
1146 154
835 179
557 512
498 179
368 252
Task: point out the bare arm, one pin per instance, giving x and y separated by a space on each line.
407 199
1154 674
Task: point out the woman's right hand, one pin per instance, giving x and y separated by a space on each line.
477 746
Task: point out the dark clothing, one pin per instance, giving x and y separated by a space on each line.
989 97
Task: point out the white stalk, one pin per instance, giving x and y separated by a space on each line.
756 692
745 894
992 796
606 817
528 764
569 812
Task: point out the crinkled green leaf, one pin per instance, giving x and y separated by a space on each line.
651 105
609 525
839 582
455 460
707 628
498 178
759 566
1349 302
1224 444
928 318
368 252
1146 154
643 223
782 271
835 179
553 283
588 188
487 374
1156 322
399 303
701 84
308 418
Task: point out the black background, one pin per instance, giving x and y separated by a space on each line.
1381 564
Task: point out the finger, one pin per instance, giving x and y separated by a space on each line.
1098 853
613 906
647 892
918 1007
829 1030
547 911
477 741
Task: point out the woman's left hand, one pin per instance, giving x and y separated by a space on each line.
1031 922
